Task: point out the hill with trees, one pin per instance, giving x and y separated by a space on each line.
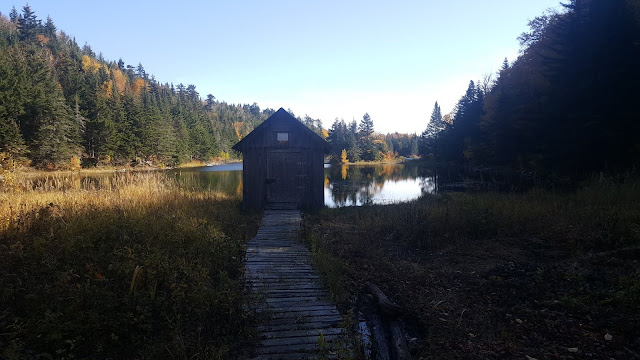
61 104
567 107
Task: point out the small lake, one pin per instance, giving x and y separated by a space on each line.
345 185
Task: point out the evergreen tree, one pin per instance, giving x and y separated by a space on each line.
57 138
13 15
210 101
505 64
28 24
413 150
353 149
460 141
430 136
368 152
50 28
11 103
338 138
365 128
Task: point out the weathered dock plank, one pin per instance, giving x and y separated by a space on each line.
303 323
295 333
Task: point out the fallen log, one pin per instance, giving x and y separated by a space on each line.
396 347
379 336
385 305
398 342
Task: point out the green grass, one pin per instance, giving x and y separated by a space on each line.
129 267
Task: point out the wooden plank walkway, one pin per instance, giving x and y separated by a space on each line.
301 315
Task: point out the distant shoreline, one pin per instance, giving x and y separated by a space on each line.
29 171
394 161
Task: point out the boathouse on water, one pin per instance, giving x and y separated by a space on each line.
283 165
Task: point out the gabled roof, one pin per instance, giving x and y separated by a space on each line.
282 116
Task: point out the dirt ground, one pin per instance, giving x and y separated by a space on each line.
511 298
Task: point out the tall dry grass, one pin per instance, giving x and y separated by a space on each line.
121 266
464 263
602 215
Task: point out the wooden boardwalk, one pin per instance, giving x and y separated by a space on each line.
303 324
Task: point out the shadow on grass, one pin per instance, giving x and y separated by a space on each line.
496 274
141 269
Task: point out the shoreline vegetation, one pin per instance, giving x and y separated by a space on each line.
398 160
539 273
132 267
28 171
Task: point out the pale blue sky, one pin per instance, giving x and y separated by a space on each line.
327 59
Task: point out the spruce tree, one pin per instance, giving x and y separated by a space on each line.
28 24
368 151
431 136
13 15
11 103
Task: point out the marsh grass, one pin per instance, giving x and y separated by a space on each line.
601 216
464 263
123 266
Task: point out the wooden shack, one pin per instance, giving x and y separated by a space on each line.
283 165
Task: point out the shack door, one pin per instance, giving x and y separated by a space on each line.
282 177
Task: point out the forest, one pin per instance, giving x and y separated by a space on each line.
63 106
356 142
565 108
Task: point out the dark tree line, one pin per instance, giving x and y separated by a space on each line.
355 142
567 106
60 103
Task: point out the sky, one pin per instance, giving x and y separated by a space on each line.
327 59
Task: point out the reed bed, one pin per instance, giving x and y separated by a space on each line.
128 265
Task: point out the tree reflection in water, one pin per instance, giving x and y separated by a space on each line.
210 179
345 185
349 185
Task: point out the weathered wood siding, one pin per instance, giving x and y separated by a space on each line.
254 174
289 172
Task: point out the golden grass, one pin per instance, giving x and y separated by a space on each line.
125 265
192 163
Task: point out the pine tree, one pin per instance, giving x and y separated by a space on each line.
13 15
11 103
365 129
210 101
505 64
413 148
353 149
368 152
28 24
57 138
337 137
430 137
50 28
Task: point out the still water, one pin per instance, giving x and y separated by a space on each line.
345 185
